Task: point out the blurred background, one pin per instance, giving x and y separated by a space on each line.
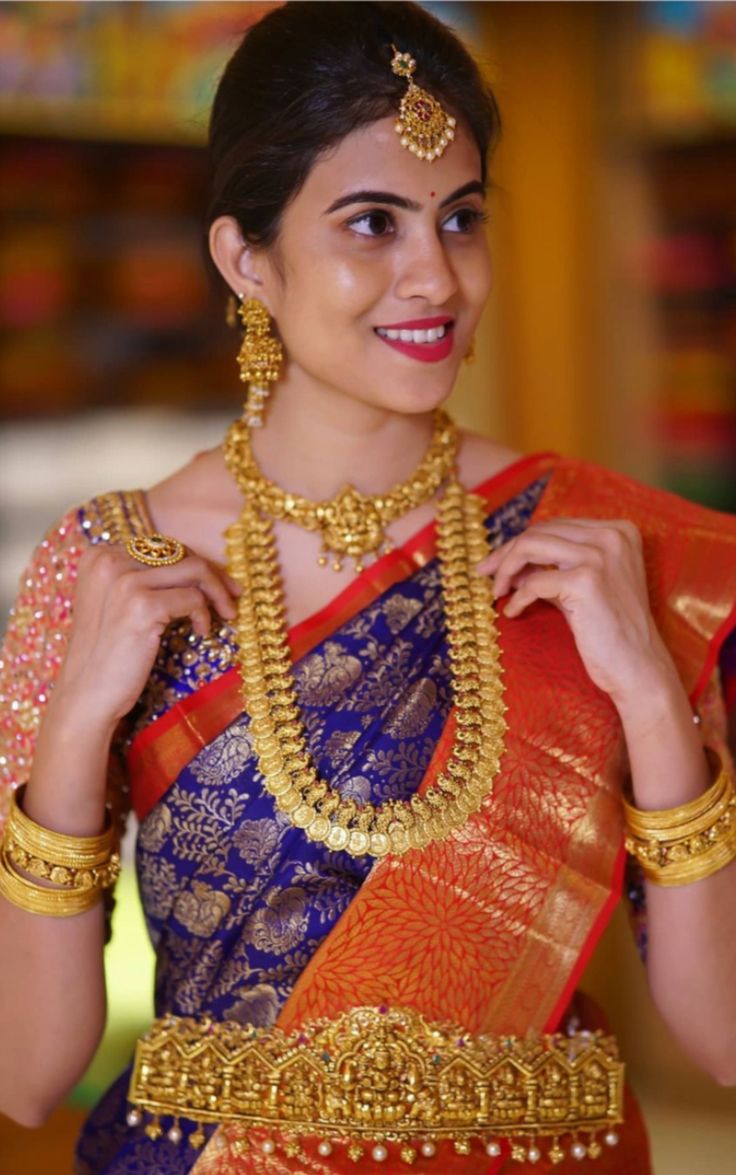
610 334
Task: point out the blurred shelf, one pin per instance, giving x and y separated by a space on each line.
90 119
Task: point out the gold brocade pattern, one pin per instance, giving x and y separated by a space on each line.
201 909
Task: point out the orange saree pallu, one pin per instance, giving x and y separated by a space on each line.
489 929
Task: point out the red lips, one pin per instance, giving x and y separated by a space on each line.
424 352
418 323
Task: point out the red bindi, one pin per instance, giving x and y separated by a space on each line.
433 193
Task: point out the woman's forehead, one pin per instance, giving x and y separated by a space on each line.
372 159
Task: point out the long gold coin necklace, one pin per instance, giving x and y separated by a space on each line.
269 689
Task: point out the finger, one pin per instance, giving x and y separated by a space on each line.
539 585
157 609
194 571
235 587
542 549
611 534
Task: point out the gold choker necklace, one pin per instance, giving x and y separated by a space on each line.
269 692
352 523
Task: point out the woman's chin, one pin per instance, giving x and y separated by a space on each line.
420 395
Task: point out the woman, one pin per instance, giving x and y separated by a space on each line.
381 820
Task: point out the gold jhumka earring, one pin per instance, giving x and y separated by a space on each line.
469 356
260 356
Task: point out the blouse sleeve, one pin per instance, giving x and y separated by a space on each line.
31 655
33 648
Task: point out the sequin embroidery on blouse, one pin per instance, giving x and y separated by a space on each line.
39 623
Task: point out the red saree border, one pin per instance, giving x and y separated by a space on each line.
396 565
158 754
163 748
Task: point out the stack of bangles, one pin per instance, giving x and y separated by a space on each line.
75 869
675 846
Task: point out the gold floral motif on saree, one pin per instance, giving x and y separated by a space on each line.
201 909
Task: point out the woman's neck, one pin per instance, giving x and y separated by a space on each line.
315 445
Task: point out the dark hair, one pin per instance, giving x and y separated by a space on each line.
308 74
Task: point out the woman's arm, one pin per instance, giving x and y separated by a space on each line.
52 984
691 954
66 682
593 571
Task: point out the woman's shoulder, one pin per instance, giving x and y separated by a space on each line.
119 514
481 458
497 470
110 516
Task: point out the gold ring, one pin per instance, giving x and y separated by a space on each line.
156 550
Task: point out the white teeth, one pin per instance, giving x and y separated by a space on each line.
414 336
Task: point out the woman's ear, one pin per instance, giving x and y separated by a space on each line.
240 264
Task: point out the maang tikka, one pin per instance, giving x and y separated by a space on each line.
423 127
260 356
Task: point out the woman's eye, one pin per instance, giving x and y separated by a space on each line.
372 224
465 219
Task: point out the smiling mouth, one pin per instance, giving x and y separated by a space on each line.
432 335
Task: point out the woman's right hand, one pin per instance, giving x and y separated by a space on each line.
121 609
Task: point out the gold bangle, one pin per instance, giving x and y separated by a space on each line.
37 899
682 820
690 828
694 867
73 852
679 845
101 876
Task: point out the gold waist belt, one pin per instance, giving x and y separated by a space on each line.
373 1078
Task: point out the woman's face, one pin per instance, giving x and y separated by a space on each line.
379 242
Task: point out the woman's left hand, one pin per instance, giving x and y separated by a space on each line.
593 571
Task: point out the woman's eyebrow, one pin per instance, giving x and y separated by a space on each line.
473 187
369 196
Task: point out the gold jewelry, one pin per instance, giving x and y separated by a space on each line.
270 698
38 899
676 846
73 862
423 127
378 1078
156 550
82 866
260 358
469 356
80 851
352 523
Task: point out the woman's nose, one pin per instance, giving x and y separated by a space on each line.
426 272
